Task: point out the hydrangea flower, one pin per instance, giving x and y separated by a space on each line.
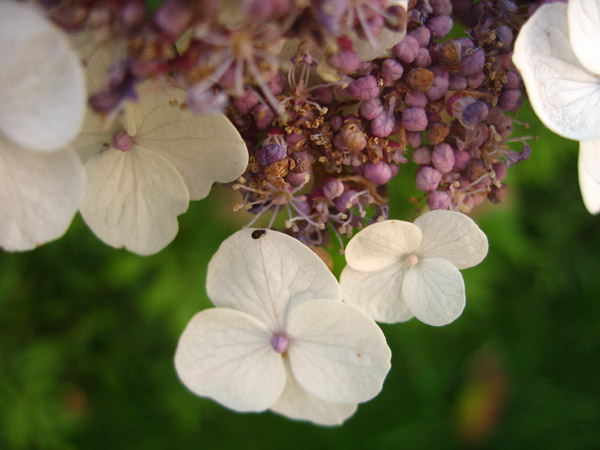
42 107
397 270
154 158
280 338
558 55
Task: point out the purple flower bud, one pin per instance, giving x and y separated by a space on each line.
461 159
440 26
371 109
421 155
379 173
323 95
496 195
347 200
247 102
277 83
509 99
505 36
173 17
439 88
441 7
133 13
279 343
414 119
427 179
295 140
296 178
465 44
332 188
439 200
122 141
416 100
391 70
422 35
513 80
383 125
346 61
365 88
439 71
264 116
473 64
457 82
413 138
474 81
500 171
270 153
423 58
474 113
406 50
442 157
336 123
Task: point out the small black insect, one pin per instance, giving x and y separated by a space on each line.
257 234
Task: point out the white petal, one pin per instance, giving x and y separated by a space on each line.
266 275
376 294
434 291
452 236
382 244
584 32
204 149
589 175
227 355
297 403
42 88
564 95
39 195
337 353
132 199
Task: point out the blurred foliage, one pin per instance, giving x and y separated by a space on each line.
88 333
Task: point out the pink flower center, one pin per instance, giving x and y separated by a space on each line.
279 343
412 260
122 141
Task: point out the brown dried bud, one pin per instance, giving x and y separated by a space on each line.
420 79
449 55
437 132
353 138
476 170
276 171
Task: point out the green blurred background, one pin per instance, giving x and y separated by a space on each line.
87 336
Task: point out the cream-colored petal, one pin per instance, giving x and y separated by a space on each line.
227 355
42 88
337 353
376 294
204 149
563 93
265 274
453 236
39 195
584 32
132 199
589 175
382 245
434 291
297 403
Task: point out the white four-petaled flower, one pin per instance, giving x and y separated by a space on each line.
42 106
280 337
397 270
558 54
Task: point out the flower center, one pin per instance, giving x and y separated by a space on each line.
412 260
122 141
279 343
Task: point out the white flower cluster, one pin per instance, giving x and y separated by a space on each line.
130 177
558 54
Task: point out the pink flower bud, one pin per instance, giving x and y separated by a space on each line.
441 7
264 116
346 61
500 171
333 188
474 81
504 35
173 17
442 157
509 99
416 100
413 138
423 58
421 155
247 102
457 82
347 200
296 178
473 64
379 173
513 80
365 88
279 343
391 71
323 95
422 35
371 109
439 200
414 119
406 50
461 159
122 141
440 26
383 125
427 179
439 88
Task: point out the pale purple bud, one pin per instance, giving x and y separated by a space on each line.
122 141
440 26
406 50
207 102
303 206
505 35
336 123
133 13
295 140
413 138
474 113
371 109
422 35
500 171
383 125
346 200
270 153
513 80
391 71
247 102
416 100
277 83
461 159
279 343
332 188
509 99
457 82
423 58
421 155
346 61
323 95
296 178
173 17
439 71
365 68
465 44
442 157
441 7
474 81
427 179
365 88
439 88
379 173
473 64
414 119
439 200
264 116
